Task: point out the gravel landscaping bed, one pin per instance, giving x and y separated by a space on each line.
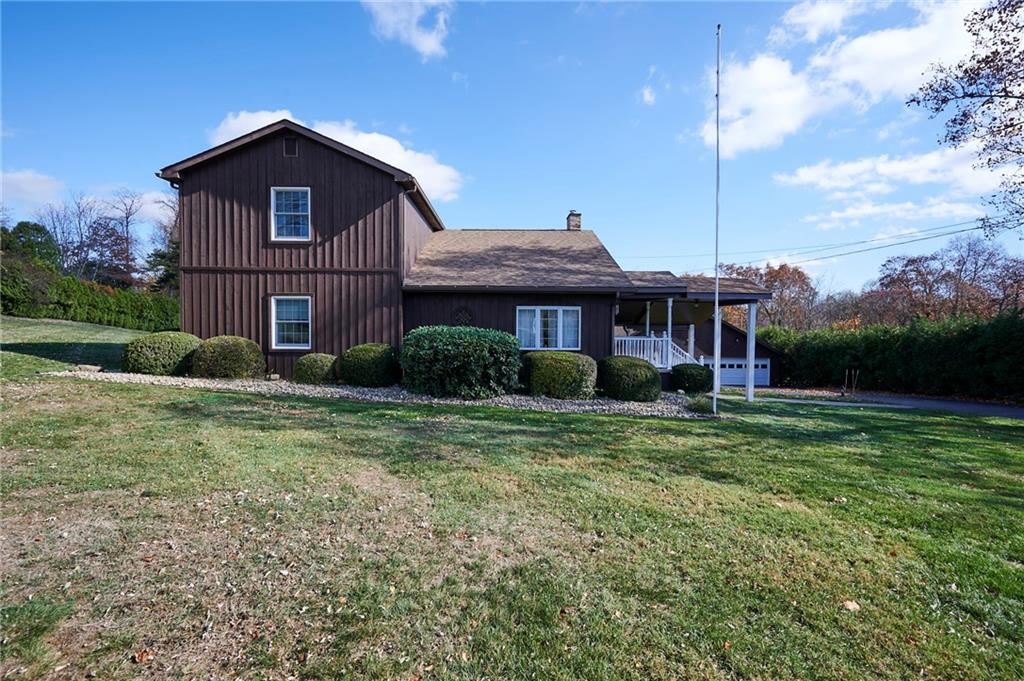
670 405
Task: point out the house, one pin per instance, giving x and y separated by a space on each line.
304 244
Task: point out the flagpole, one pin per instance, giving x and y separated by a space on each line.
718 183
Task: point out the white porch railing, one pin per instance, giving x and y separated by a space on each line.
661 352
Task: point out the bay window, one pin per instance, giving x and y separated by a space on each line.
548 327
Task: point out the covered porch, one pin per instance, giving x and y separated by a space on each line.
660 305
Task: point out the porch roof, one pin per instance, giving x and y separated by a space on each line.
661 284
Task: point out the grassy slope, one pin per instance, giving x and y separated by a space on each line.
312 537
31 345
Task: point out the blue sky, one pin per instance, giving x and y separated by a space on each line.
513 113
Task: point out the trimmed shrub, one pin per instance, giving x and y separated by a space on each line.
314 368
693 379
562 375
228 357
460 361
628 378
371 365
699 405
167 353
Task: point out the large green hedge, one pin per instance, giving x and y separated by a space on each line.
968 357
29 290
460 361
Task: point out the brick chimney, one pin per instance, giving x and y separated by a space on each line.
574 221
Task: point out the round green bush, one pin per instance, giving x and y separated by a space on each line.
314 368
460 361
228 357
371 365
692 379
168 353
628 378
562 375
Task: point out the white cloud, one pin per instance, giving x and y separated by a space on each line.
893 61
28 188
812 19
421 24
440 181
648 95
768 98
237 124
933 209
763 101
877 174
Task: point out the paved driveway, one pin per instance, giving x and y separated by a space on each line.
905 402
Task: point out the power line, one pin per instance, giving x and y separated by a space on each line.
865 250
801 250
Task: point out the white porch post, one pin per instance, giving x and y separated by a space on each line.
668 323
751 346
717 365
647 320
691 343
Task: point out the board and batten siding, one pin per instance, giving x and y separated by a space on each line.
351 268
498 311
415 234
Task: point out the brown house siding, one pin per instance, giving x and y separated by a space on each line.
498 311
351 267
415 234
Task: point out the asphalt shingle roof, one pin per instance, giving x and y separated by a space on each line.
557 259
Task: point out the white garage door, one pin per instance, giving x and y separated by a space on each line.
734 371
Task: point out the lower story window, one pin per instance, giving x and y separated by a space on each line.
291 322
548 328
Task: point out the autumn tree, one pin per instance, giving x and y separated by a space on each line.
969 276
793 295
984 97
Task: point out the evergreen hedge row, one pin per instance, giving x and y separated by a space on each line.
30 291
964 357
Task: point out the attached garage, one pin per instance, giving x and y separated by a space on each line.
734 371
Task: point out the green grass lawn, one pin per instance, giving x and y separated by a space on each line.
240 535
32 345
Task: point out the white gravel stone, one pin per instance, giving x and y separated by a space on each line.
670 405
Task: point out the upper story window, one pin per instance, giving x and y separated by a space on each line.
548 328
289 210
291 322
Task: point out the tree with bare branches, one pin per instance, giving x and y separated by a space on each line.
984 95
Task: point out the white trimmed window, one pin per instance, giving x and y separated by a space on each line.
548 328
291 322
289 214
